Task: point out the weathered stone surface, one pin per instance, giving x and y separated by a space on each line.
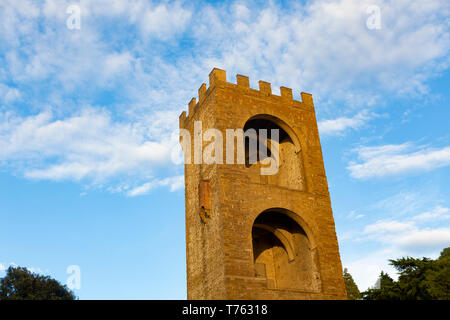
260 237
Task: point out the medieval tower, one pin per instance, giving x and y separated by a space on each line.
254 236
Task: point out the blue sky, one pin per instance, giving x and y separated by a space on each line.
88 127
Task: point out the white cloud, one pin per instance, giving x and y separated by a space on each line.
339 125
396 159
323 47
427 239
353 215
437 214
2 267
405 203
18 18
8 94
117 63
164 21
381 227
408 236
290 47
89 145
346 61
175 183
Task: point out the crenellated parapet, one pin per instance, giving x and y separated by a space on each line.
217 76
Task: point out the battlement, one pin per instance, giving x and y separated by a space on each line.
218 75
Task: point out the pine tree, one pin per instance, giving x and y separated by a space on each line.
351 287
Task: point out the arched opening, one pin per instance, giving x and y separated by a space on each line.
289 159
282 253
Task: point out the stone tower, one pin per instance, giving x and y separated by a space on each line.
254 236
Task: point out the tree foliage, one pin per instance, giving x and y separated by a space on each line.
21 284
419 279
351 287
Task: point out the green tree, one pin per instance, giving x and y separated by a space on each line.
437 279
21 284
351 287
412 276
385 289
419 279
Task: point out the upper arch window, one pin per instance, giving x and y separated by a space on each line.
290 163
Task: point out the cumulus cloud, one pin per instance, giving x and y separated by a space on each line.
388 160
436 214
117 63
411 235
8 94
299 47
339 125
163 21
89 146
325 47
408 237
175 183
406 203
381 227
170 53
428 239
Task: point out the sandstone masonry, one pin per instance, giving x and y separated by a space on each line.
251 236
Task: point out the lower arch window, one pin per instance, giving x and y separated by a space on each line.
282 253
